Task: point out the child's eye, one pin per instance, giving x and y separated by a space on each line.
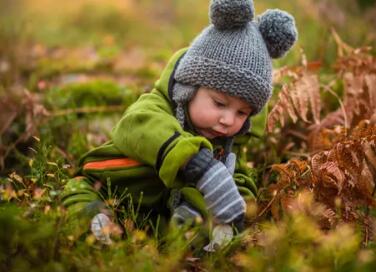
219 103
242 113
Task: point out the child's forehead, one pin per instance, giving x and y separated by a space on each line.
225 95
215 92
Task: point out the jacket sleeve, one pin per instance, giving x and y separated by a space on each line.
150 133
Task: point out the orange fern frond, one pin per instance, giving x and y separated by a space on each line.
296 100
278 113
341 178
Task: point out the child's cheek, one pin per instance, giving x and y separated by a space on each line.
239 124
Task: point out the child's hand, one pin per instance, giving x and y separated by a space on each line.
214 181
100 227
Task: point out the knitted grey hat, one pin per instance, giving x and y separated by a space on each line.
234 53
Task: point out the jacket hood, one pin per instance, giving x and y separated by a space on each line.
166 81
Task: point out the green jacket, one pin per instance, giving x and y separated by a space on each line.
148 133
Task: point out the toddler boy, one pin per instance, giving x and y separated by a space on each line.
172 149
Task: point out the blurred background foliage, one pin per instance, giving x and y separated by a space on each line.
132 39
158 28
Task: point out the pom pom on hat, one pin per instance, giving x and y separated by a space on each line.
229 14
278 30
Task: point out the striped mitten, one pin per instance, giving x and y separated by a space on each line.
230 163
214 181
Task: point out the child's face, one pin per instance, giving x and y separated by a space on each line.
216 114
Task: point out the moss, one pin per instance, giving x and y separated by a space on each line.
47 67
90 94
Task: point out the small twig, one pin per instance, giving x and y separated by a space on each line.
269 204
341 45
366 235
329 89
65 155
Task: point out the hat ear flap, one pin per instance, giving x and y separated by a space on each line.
278 29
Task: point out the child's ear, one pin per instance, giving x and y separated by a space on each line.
278 29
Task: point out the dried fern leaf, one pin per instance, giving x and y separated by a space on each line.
364 129
350 157
370 154
308 95
279 110
370 84
329 217
299 97
299 166
366 180
323 139
285 174
316 162
286 102
332 176
313 89
296 99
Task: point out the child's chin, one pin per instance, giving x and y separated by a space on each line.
209 136
206 134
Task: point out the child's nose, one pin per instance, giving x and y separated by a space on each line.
227 118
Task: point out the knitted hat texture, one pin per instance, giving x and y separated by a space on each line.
234 53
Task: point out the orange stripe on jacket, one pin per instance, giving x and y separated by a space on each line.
114 163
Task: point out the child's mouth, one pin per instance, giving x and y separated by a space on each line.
216 133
